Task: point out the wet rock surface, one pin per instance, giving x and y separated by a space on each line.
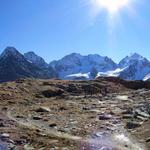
74 115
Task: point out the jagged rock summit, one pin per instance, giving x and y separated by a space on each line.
131 59
14 65
132 67
136 67
35 59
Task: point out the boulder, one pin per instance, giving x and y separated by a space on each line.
52 125
28 147
141 113
132 125
43 109
37 117
105 117
148 140
2 124
52 92
127 116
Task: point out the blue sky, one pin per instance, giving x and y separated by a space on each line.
55 28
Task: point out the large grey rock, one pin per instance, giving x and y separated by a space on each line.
132 125
43 109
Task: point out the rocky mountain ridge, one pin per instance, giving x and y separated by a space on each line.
35 59
14 65
76 63
74 66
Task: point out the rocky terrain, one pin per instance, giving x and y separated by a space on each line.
102 114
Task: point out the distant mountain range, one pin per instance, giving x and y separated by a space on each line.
14 65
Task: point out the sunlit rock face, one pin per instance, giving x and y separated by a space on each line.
108 141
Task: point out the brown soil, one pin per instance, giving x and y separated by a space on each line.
66 115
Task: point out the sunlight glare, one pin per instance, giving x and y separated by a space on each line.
112 6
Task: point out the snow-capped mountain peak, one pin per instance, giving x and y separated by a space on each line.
137 67
75 64
131 59
132 67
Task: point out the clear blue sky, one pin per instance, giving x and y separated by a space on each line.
54 28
